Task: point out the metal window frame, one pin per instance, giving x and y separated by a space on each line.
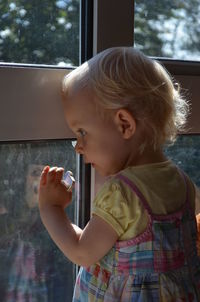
86 52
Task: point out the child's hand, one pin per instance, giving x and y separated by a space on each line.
52 190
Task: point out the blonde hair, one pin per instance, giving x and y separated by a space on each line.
123 77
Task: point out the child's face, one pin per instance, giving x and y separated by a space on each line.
98 139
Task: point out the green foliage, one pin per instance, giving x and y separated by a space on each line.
185 153
47 32
167 28
41 32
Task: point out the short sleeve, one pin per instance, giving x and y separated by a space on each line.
111 205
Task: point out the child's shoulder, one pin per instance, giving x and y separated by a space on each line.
142 176
111 185
145 174
159 182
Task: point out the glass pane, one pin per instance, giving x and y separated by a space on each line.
32 267
168 28
39 32
186 153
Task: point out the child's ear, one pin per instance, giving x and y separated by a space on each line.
125 122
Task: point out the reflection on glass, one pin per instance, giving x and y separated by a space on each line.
186 153
32 268
168 28
40 32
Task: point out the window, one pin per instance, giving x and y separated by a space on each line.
38 40
40 32
32 267
168 28
185 153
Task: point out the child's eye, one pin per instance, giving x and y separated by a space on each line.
81 132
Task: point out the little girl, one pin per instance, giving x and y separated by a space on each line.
140 243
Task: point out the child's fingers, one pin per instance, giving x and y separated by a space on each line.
59 175
43 178
51 175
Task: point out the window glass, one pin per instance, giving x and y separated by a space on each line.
39 32
168 28
32 267
186 153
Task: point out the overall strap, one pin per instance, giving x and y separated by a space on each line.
136 190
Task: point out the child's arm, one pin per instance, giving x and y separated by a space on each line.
83 247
